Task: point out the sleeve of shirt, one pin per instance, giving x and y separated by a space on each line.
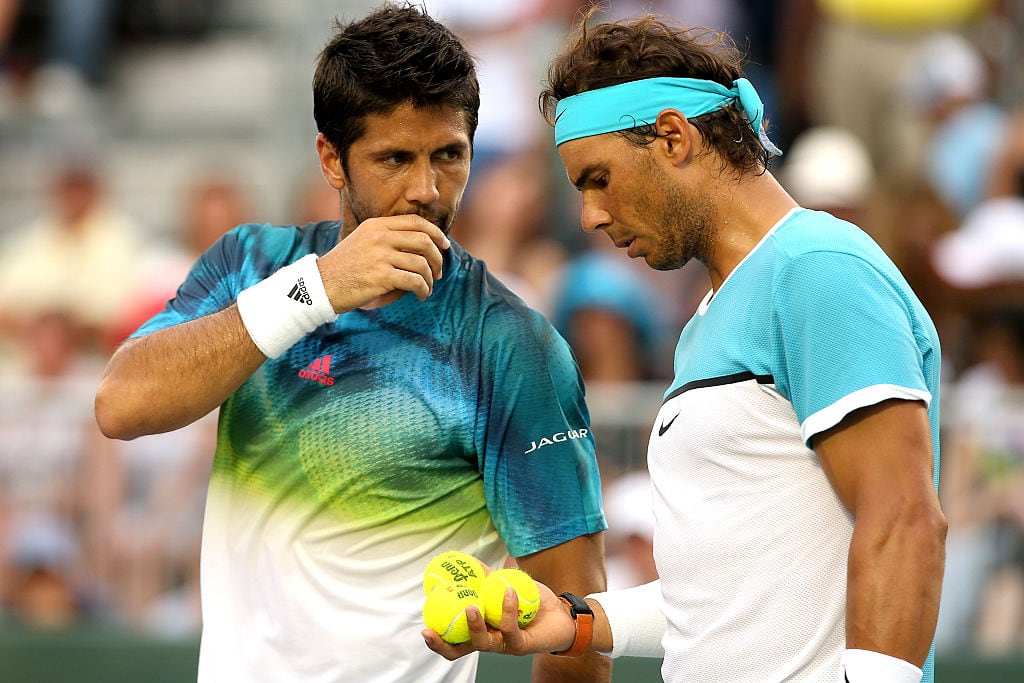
539 464
211 285
845 339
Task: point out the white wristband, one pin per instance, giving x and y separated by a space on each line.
865 666
285 307
636 620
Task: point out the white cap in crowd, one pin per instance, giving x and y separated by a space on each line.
827 167
987 249
628 506
947 67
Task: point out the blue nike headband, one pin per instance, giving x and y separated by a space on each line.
637 103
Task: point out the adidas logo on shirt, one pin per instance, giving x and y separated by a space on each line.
319 371
300 294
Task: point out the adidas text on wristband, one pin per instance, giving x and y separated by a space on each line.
285 307
584 618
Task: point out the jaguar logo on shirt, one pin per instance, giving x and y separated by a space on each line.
557 437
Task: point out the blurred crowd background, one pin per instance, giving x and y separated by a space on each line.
134 132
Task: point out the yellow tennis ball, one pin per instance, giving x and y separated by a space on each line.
452 566
492 592
444 610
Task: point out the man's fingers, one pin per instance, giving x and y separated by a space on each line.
506 640
382 259
417 223
415 243
446 650
399 273
479 635
416 265
510 632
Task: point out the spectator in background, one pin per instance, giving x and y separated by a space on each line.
950 81
629 508
1000 438
985 255
212 203
143 535
315 200
41 591
78 258
983 262
56 53
843 63
1007 175
8 17
144 526
829 169
983 492
987 251
503 222
45 430
613 318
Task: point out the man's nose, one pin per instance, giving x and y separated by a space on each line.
422 188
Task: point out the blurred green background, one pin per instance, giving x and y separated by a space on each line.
107 655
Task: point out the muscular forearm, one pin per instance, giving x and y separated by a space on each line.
576 567
879 461
170 378
894 582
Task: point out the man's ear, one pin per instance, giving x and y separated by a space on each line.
330 162
675 136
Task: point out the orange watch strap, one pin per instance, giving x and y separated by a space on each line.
584 632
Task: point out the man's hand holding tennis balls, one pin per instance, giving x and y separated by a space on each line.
551 630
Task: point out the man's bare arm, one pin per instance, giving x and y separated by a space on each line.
576 566
174 376
879 460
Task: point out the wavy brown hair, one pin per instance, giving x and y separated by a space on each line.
607 54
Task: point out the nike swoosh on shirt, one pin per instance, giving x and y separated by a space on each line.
665 425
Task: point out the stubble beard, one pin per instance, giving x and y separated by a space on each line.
442 220
362 211
687 231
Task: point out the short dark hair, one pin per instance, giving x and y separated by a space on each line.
607 54
395 55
